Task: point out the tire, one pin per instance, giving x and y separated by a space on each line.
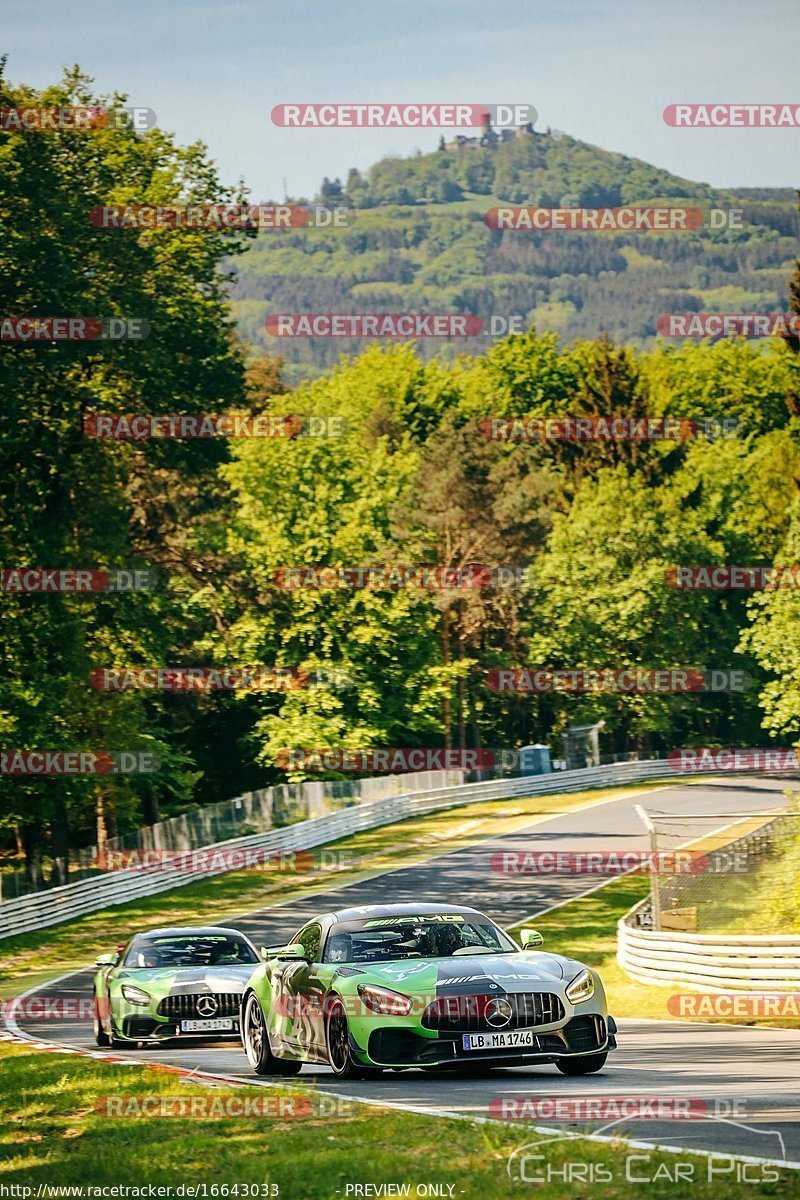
583 1064
256 1043
101 1038
340 1056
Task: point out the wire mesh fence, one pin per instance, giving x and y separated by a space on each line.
253 812
709 874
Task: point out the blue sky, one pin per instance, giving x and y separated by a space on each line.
601 70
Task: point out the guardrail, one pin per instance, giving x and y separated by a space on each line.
61 904
721 962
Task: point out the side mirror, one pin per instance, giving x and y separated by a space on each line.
531 938
106 960
295 951
269 952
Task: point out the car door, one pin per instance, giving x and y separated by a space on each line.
304 990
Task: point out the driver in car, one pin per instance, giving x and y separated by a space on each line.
448 940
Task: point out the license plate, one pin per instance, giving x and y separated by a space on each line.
499 1041
207 1026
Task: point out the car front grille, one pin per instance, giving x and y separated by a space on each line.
466 1014
185 1005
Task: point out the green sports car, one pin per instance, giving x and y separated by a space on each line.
172 983
432 986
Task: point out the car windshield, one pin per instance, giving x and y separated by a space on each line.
429 935
190 950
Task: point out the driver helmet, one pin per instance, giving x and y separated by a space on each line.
449 939
339 948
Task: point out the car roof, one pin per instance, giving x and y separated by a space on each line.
189 931
398 910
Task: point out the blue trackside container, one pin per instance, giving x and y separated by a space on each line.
535 760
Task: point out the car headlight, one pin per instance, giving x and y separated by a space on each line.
385 1001
581 988
135 995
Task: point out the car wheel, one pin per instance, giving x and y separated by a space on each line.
256 1043
101 1038
339 1053
582 1064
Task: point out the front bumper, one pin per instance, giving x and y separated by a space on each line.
588 1033
163 1018
150 1029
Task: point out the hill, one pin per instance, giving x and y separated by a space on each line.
416 240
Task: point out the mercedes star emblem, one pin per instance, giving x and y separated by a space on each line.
207 1005
498 1012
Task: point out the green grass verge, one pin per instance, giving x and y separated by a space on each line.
52 1134
586 929
32 957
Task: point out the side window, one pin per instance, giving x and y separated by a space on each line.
309 938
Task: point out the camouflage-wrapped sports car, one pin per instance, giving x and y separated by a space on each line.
421 985
172 983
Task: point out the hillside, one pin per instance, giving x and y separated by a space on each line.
416 240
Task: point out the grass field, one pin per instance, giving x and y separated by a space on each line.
53 1136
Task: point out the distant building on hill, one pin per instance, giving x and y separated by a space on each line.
489 137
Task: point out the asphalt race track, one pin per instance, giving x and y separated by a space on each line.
756 1066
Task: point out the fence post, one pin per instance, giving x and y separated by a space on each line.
655 883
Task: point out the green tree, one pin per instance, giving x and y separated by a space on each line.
71 500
